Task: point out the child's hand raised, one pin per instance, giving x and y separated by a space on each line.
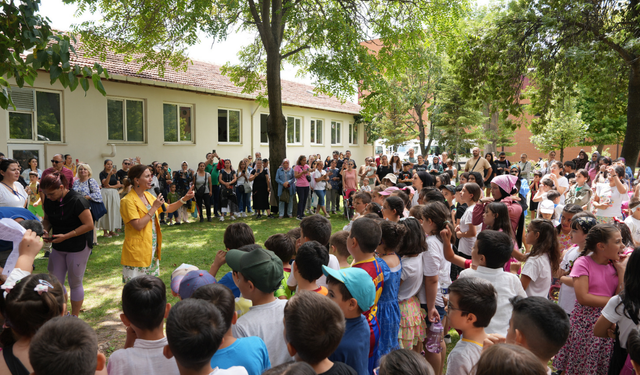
445 235
30 245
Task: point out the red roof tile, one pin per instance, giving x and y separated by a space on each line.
208 76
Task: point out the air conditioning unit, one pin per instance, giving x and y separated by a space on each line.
23 99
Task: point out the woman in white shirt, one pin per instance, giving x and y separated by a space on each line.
12 193
320 178
610 195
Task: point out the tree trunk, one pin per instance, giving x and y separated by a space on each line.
491 127
631 145
276 123
600 148
421 129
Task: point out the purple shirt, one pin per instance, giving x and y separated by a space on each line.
68 174
302 180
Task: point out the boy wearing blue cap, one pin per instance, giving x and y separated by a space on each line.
258 274
354 292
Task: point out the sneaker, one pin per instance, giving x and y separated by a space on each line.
209 219
221 218
327 216
299 218
232 217
202 220
178 223
244 214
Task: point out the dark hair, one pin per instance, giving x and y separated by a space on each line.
547 242
416 212
222 297
294 234
144 301
195 329
431 194
316 228
310 258
300 159
4 165
553 194
625 232
34 225
339 241
282 245
136 172
405 362
413 242
570 163
465 175
473 189
346 294
633 345
630 295
479 179
53 181
375 209
395 204
475 296
368 234
445 179
598 234
440 215
584 173
502 221
583 224
560 166
64 345
547 181
544 324
426 178
392 234
237 235
406 202
364 196
291 368
314 325
495 246
25 310
509 359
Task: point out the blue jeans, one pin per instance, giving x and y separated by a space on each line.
320 194
281 205
303 194
244 199
215 199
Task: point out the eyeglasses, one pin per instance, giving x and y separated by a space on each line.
451 308
56 161
126 163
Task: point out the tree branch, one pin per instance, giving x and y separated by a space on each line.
282 57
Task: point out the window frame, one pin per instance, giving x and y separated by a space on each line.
124 121
294 127
193 133
339 134
315 132
34 119
227 142
353 134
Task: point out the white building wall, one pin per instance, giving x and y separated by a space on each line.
84 127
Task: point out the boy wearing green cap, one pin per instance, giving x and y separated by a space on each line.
354 292
258 274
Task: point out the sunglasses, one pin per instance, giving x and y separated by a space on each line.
56 161
126 163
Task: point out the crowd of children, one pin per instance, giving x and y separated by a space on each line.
378 297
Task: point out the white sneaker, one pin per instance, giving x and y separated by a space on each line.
244 214
221 218
233 217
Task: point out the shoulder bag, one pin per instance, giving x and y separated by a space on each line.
98 209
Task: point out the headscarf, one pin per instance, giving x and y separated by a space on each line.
506 183
580 162
285 160
426 178
593 164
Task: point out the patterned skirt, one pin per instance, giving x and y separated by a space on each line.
413 328
584 353
604 220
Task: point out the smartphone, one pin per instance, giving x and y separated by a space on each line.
213 151
77 162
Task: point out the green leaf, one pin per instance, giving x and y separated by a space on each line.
97 67
87 71
54 73
97 82
73 81
84 82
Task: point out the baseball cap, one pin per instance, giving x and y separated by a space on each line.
178 274
358 283
262 267
391 177
194 280
546 207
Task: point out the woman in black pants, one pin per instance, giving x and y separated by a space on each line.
202 186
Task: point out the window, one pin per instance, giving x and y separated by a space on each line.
264 137
37 116
229 126
177 122
336 130
125 120
316 132
353 134
294 127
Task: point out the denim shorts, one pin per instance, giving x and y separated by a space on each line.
320 194
440 310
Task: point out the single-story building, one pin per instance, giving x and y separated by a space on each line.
180 116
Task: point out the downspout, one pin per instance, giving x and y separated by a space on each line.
113 151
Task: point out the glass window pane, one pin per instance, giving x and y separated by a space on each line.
223 134
234 126
319 139
298 130
185 123
355 134
264 137
135 121
115 123
333 132
290 129
170 113
313 131
48 121
20 125
338 132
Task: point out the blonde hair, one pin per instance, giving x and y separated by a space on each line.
85 166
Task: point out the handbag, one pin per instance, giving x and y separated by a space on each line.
247 186
98 209
201 191
285 196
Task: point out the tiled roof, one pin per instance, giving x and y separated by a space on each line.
206 77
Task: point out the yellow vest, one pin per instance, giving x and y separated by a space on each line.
137 248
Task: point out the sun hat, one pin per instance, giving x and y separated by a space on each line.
358 283
391 177
194 280
262 267
546 207
178 274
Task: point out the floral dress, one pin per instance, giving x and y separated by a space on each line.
129 272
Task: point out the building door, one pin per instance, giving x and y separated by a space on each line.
23 152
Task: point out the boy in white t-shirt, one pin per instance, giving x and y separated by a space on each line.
490 253
633 221
466 231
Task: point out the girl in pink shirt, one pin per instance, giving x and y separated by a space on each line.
596 278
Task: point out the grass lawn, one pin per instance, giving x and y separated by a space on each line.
194 243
